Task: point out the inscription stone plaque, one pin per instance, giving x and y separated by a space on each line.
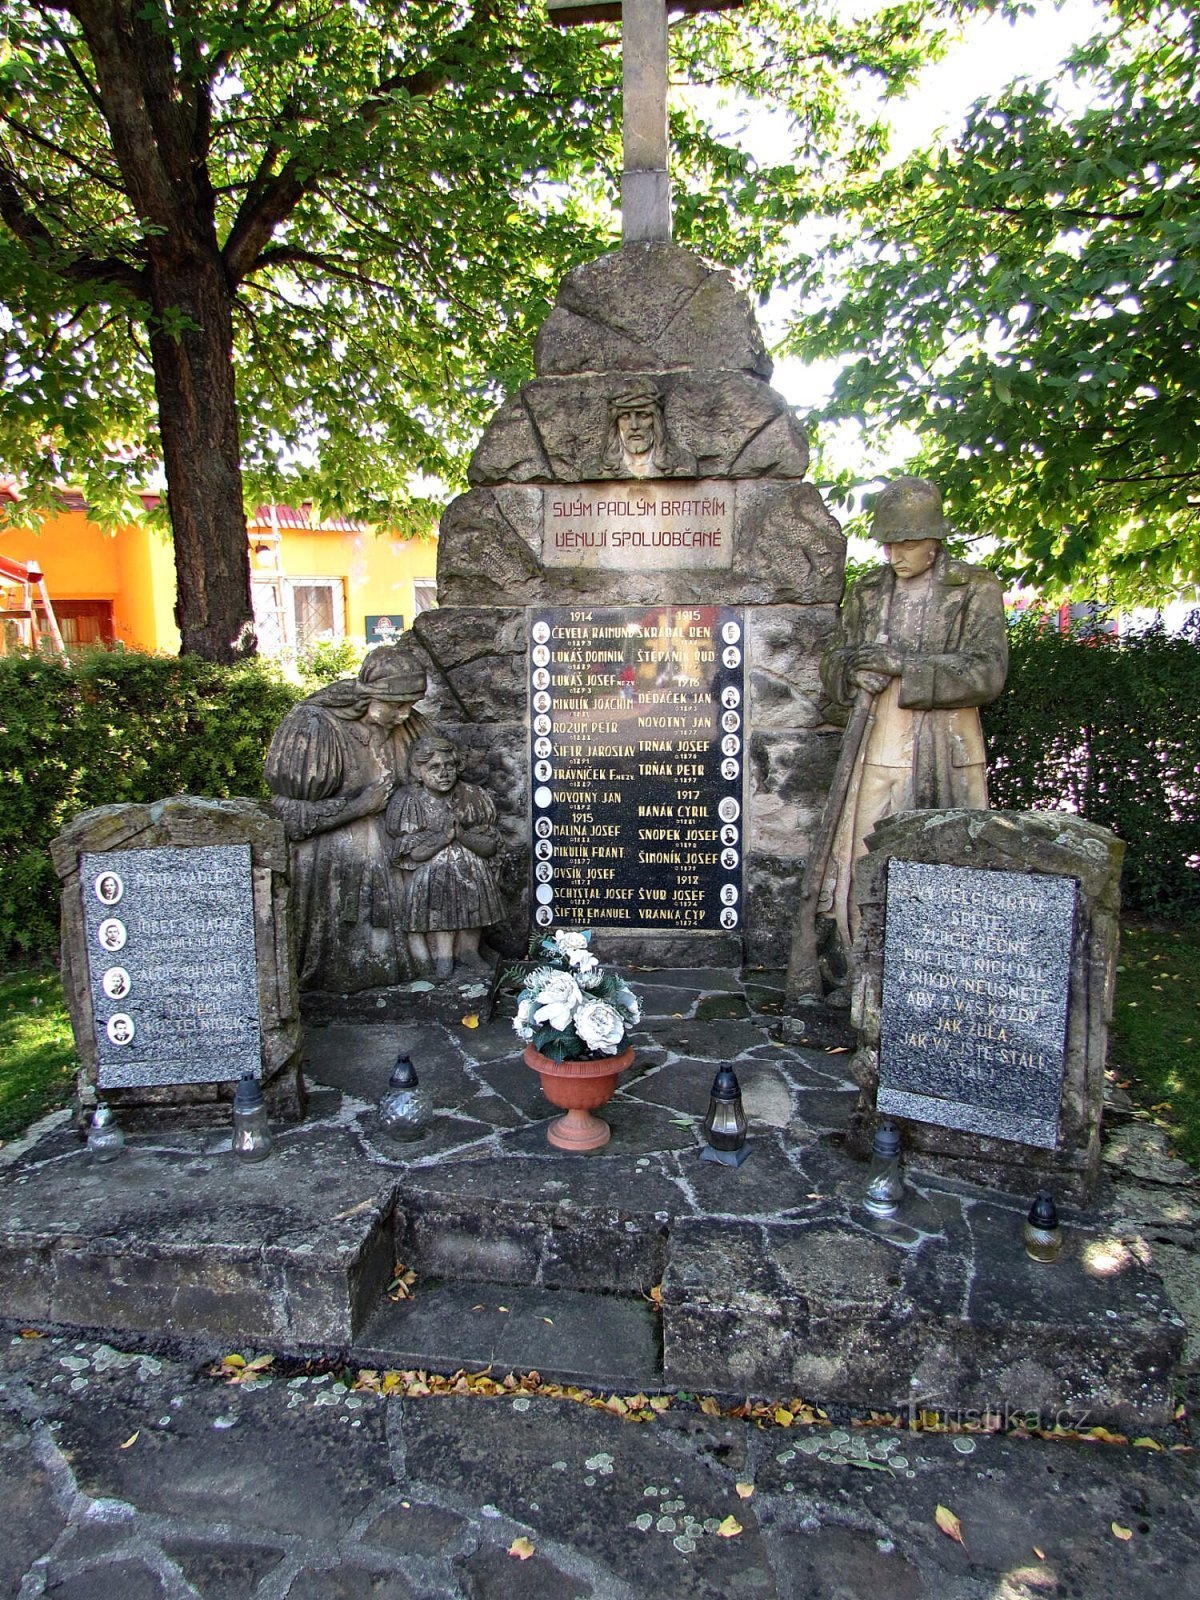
171 964
638 526
975 987
637 750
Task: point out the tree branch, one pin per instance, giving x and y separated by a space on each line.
27 227
58 150
261 212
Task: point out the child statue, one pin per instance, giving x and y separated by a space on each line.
445 837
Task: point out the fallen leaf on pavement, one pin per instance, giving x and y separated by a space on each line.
729 1529
1124 1534
1040 1554
744 1490
132 1439
472 1021
521 1548
363 1205
949 1524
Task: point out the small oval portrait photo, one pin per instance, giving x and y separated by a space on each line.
115 983
109 888
120 1028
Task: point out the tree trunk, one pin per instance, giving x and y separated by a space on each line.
191 345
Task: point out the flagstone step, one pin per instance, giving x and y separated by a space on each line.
591 1340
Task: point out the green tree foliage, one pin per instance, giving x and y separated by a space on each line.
1028 299
362 211
1109 729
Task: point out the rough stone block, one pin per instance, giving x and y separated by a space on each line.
718 423
785 645
790 549
479 665
789 778
649 305
489 548
838 1313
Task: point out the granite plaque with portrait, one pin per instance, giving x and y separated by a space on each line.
638 763
976 972
171 964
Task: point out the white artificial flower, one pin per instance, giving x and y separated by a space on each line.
582 961
626 998
523 1021
568 942
555 1002
591 978
599 1025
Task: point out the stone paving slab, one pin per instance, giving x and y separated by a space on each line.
127 1475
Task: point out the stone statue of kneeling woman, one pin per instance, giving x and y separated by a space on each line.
445 840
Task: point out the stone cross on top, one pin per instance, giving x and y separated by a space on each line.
645 180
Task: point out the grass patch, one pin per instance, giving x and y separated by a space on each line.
37 1050
1156 1027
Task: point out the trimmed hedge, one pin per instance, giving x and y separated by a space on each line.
1110 729
110 727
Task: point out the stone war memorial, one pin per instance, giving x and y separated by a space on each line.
576 820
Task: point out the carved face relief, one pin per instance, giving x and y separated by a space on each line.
387 714
910 558
438 772
636 430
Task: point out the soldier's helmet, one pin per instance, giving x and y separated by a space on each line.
908 508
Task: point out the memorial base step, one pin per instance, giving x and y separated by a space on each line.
775 1281
589 1340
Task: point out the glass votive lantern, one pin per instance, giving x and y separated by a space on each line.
105 1141
885 1180
404 1108
251 1135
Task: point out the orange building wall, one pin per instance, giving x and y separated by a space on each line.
377 571
134 569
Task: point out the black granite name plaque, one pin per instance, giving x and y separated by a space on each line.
976 971
637 749
171 961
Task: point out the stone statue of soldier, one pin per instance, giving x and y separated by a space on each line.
332 767
922 643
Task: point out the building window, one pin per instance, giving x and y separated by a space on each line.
293 614
424 594
318 610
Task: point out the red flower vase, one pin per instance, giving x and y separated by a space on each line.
579 1087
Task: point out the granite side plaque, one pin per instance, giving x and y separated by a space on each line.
636 728
640 525
171 963
976 968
